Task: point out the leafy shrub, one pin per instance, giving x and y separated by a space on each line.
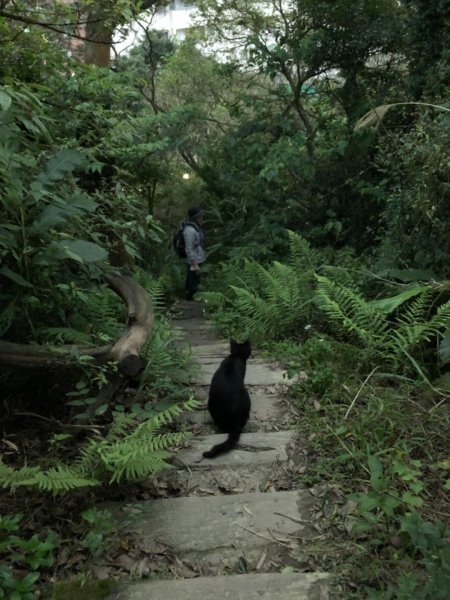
30 554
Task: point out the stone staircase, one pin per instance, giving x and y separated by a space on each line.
238 523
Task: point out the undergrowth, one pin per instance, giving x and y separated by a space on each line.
369 381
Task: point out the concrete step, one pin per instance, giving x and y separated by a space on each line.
262 461
229 524
218 350
261 586
258 372
253 449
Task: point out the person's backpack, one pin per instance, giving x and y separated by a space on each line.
178 239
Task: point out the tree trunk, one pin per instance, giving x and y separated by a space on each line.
98 42
125 351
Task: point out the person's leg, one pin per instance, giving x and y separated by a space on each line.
192 283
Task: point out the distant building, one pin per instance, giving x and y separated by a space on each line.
175 18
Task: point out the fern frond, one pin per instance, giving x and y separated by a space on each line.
214 299
137 467
65 335
348 308
414 330
11 478
61 479
154 287
128 451
55 479
302 256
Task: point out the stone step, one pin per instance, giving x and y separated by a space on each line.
253 449
216 350
229 524
258 372
262 461
261 586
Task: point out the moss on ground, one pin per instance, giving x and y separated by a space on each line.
73 590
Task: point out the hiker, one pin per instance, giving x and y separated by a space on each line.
194 244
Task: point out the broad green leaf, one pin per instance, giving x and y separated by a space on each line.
447 485
59 165
411 499
81 251
387 305
412 275
53 214
5 100
376 473
16 277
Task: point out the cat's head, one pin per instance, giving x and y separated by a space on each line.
241 349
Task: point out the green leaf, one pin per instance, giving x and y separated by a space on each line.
288 569
447 485
411 499
368 502
54 214
16 277
63 162
376 473
5 100
81 251
101 409
410 275
388 305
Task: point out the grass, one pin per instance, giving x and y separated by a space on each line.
385 446
88 590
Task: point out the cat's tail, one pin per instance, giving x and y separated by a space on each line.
226 446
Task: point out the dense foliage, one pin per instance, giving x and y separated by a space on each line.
327 229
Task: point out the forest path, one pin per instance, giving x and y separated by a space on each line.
239 526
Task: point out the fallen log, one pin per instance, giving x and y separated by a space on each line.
125 351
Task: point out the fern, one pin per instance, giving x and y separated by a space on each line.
273 300
413 329
302 256
65 335
56 479
154 287
278 301
130 450
385 341
347 307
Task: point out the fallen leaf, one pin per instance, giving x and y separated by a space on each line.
11 445
125 562
288 569
184 570
261 561
76 558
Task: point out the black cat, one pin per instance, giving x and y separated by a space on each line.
229 402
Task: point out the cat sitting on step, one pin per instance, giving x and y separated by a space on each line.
229 402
